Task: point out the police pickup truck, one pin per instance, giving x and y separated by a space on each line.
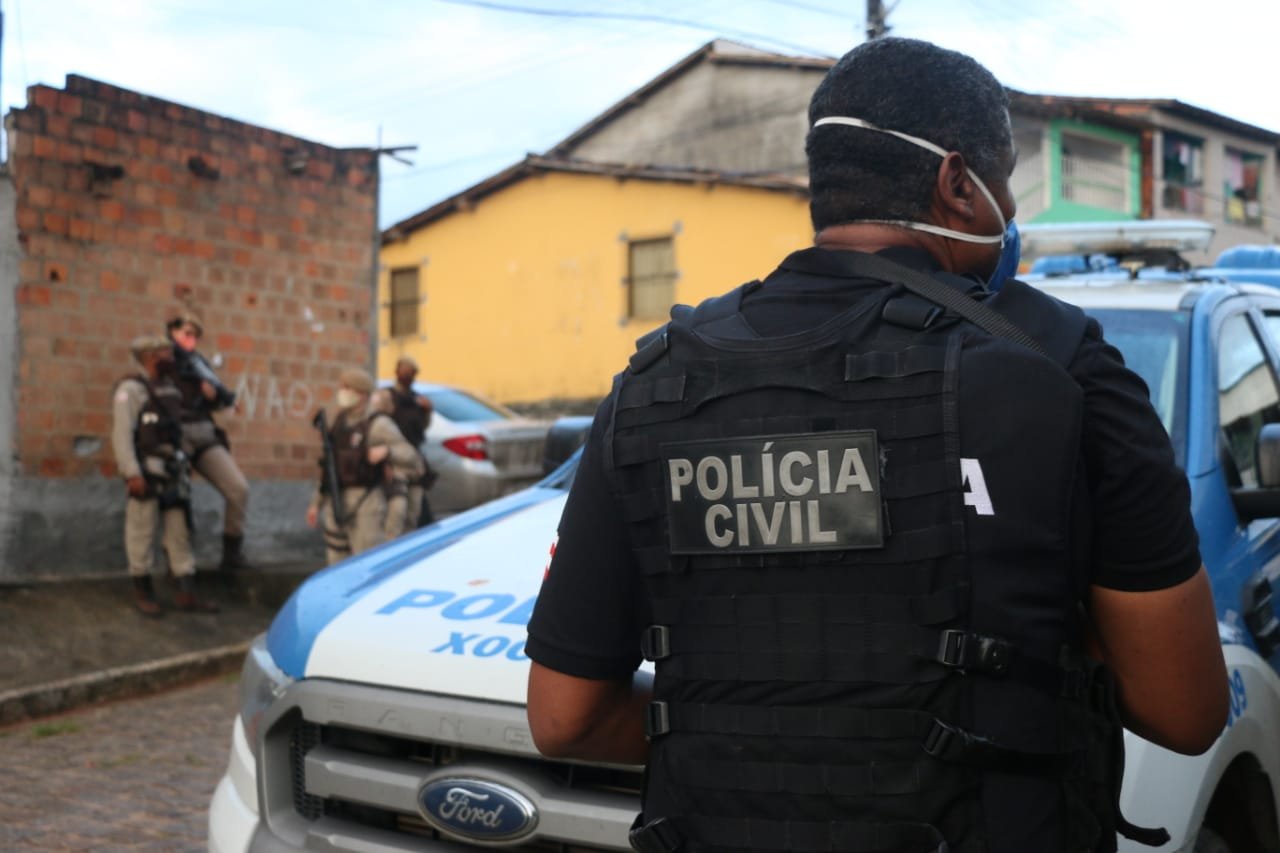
384 708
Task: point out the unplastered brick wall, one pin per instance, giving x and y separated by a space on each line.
130 208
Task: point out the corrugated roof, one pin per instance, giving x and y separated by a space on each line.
534 164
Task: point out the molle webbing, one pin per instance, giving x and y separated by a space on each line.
722 833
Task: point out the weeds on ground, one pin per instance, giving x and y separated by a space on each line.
61 727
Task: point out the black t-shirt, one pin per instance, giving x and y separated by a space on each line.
592 607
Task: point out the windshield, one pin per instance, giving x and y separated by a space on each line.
459 406
1154 345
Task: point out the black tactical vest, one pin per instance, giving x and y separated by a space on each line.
866 633
409 416
351 452
158 431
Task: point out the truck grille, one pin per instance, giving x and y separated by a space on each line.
347 778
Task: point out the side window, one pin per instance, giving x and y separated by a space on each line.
651 278
404 302
1247 396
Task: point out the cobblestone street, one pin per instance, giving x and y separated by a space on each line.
132 775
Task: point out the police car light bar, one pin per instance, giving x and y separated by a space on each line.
1087 238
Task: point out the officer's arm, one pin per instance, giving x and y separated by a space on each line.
383 431
1164 650
587 718
126 403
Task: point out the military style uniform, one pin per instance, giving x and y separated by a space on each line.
402 482
858 569
210 453
145 437
364 499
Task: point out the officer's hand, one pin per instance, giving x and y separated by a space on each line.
137 487
425 403
207 389
378 453
313 516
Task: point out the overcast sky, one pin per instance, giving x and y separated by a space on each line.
477 86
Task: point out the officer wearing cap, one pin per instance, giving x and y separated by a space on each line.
203 394
146 437
363 442
902 536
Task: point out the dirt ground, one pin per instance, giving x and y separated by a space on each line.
59 629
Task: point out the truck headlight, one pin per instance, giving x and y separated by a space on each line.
261 684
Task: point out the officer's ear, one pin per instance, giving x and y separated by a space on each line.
954 189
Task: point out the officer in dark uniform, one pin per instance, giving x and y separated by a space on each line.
905 551
412 413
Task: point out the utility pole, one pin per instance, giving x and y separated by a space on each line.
376 315
876 14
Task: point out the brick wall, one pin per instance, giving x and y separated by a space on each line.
130 207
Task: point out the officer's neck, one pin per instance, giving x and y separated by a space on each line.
871 237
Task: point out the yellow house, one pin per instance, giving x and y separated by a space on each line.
534 284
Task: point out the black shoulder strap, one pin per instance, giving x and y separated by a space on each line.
883 269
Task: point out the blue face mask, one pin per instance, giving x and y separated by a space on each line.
1010 257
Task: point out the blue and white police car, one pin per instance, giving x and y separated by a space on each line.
384 708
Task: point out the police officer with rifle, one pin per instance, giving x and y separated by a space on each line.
147 441
350 499
203 394
903 537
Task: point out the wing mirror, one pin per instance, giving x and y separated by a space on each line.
1262 501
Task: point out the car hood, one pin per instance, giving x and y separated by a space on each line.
442 610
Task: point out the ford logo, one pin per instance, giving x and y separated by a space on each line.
476 809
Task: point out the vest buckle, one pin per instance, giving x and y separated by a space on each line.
657 720
946 743
656 836
655 643
964 651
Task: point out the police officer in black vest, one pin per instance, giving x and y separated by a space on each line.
902 536
412 413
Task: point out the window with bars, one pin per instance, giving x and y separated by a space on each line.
403 306
1095 172
1242 186
1183 161
651 278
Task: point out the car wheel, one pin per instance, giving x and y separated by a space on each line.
1208 841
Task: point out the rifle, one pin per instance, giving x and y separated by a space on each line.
192 365
332 486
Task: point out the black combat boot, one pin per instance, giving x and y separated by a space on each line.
233 557
187 600
144 597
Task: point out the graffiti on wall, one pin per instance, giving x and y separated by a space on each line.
267 398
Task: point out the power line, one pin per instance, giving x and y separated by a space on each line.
633 16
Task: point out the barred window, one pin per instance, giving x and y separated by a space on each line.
1095 172
404 302
651 278
1242 186
1183 161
